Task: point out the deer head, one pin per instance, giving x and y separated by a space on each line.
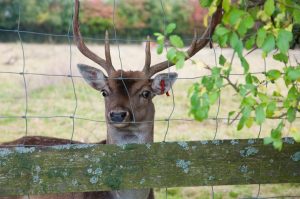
128 94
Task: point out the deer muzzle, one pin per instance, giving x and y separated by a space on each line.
119 118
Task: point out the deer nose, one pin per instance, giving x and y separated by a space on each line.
118 116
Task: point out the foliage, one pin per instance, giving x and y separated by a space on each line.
250 25
134 18
142 17
174 54
50 15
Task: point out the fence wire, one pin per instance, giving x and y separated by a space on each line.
117 41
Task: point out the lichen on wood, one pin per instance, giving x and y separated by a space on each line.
88 167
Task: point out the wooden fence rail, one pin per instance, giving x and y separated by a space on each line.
87 167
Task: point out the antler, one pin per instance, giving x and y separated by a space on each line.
148 56
197 45
106 64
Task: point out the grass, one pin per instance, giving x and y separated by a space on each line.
51 100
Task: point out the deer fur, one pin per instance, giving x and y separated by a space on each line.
137 127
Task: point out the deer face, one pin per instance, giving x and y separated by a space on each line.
128 94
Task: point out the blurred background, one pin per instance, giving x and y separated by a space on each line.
134 19
38 59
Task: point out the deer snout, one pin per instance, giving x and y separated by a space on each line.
118 116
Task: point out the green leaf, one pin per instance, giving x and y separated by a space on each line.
212 9
221 30
249 79
246 112
158 34
213 97
180 62
252 88
206 3
205 99
249 122
255 79
215 72
281 57
244 64
223 40
180 59
250 42
171 55
269 44
296 16
176 41
222 60
283 40
202 113
160 48
268 140
241 123
235 15
291 114
236 43
261 36
276 94
260 114
242 29
271 107
277 144
170 28
269 7
160 38
291 96
248 21
194 97
294 74
231 113
249 101
219 82
226 5
276 133
208 83
273 74
243 91
263 97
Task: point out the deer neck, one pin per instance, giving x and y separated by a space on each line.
139 133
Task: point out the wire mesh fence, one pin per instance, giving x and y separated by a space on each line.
72 105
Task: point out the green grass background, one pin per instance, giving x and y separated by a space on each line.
54 96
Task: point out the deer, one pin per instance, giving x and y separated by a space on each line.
128 102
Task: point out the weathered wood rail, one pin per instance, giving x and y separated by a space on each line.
86 167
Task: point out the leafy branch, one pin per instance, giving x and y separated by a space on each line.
246 26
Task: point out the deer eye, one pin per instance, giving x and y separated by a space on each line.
104 93
146 94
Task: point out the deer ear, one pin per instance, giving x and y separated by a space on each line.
162 82
93 76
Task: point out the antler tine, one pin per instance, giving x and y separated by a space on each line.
197 44
107 51
81 45
148 56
